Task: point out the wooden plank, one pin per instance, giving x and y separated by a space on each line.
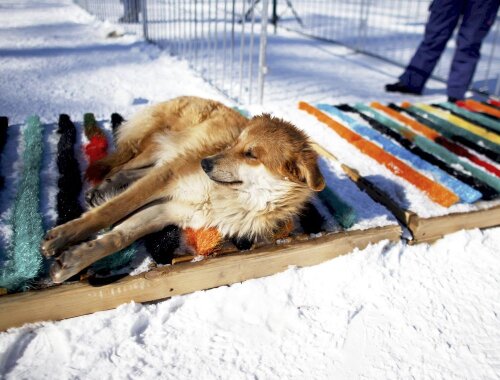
66 301
375 193
430 229
404 216
426 230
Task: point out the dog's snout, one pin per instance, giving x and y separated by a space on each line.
207 165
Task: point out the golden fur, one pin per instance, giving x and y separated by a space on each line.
194 163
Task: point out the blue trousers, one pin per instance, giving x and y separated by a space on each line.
131 9
478 17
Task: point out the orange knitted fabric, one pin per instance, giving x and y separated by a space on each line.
203 241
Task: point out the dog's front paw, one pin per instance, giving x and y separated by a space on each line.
70 262
58 238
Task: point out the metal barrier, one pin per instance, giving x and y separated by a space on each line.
214 36
123 12
225 40
387 29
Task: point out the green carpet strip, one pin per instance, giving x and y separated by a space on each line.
344 214
486 121
24 259
448 128
431 147
116 260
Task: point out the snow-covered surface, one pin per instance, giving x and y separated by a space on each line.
384 313
389 311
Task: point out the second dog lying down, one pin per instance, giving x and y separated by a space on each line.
194 163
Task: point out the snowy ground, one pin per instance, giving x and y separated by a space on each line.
389 311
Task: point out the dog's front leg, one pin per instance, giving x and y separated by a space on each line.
144 191
149 220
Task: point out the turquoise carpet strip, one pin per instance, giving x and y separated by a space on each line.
25 261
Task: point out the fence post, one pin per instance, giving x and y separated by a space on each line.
263 49
145 19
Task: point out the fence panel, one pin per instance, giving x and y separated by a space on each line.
388 29
226 48
127 13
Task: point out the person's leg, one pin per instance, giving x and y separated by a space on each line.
137 9
130 11
443 18
479 16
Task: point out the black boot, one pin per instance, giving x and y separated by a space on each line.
400 87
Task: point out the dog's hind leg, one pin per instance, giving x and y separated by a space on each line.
114 185
144 159
145 190
121 177
100 168
151 219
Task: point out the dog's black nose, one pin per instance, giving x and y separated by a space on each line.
207 165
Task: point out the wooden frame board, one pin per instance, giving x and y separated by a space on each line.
423 230
428 229
71 300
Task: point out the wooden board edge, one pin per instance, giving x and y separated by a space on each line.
426 230
404 216
77 299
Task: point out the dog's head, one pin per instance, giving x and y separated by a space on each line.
269 153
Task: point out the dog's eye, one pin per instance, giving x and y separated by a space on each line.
249 154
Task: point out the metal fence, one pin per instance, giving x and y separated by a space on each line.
388 29
214 36
225 40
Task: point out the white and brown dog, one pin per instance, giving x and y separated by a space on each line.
194 163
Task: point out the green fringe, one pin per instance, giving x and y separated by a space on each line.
117 259
90 127
25 261
344 214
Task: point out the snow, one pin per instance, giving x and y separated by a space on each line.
388 311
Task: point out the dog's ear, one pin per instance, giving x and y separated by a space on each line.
305 169
308 166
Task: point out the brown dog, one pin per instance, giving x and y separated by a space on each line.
194 163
